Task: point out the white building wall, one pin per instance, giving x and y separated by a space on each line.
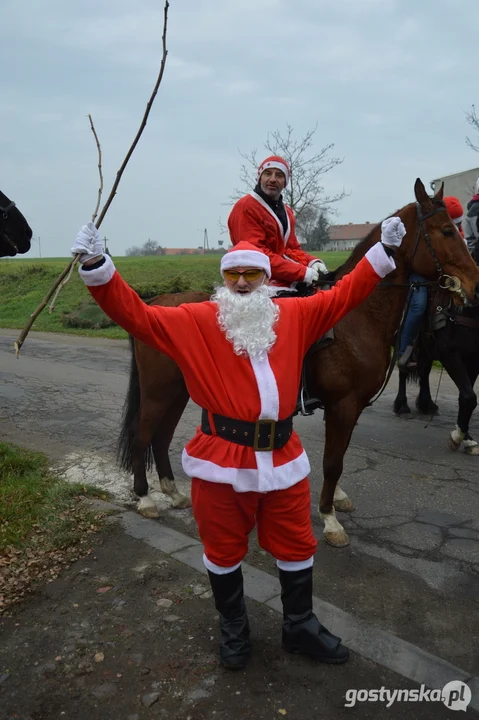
461 185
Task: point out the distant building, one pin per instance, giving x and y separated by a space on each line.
346 237
461 184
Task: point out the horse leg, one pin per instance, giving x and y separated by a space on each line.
340 421
150 416
471 447
400 406
424 402
160 444
458 373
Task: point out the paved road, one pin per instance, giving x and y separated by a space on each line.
413 564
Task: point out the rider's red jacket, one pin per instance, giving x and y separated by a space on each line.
253 220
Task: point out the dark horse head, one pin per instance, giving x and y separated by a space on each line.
15 232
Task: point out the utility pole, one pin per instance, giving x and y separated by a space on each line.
37 240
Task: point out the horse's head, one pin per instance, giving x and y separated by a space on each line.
15 232
434 248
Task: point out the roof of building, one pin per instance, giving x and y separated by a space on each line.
351 231
463 172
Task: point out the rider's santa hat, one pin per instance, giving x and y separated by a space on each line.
275 161
244 254
454 209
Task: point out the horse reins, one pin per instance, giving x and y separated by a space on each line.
5 211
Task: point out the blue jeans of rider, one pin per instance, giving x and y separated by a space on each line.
417 308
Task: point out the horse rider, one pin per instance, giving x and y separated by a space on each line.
262 219
471 224
247 465
418 303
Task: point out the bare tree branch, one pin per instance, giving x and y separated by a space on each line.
95 213
21 339
100 172
473 121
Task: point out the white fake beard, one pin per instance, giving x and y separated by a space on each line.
247 319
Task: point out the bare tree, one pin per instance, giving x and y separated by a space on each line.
134 251
473 121
305 190
150 247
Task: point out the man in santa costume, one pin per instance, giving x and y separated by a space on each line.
241 355
262 219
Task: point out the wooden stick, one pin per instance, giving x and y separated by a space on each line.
95 213
100 172
21 338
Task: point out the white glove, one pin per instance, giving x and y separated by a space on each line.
320 266
88 243
311 275
392 232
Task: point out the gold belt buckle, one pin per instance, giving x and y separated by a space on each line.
271 436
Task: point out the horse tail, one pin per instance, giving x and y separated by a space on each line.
129 420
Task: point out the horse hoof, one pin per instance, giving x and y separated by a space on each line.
337 538
452 445
344 505
431 409
471 449
181 502
149 512
402 410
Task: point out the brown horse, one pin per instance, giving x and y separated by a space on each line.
15 232
345 375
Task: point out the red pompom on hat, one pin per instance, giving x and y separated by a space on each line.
454 209
275 161
244 254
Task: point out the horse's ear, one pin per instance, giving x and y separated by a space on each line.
420 192
440 194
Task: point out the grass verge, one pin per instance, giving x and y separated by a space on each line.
45 525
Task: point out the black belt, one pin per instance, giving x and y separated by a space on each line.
262 435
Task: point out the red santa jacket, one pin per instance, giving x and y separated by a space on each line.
253 220
238 386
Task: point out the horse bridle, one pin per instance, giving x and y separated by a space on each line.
449 283
445 282
4 211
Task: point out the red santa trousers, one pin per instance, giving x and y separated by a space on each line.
225 518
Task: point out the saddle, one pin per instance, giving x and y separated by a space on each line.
306 402
440 313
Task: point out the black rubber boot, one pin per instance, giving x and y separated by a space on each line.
302 631
235 648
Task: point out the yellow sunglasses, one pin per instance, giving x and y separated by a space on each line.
248 275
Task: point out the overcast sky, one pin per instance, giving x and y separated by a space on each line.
387 81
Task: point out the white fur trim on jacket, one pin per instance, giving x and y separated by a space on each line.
381 263
245 258
99 276
242 480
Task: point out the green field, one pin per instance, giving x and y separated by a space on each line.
24 283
